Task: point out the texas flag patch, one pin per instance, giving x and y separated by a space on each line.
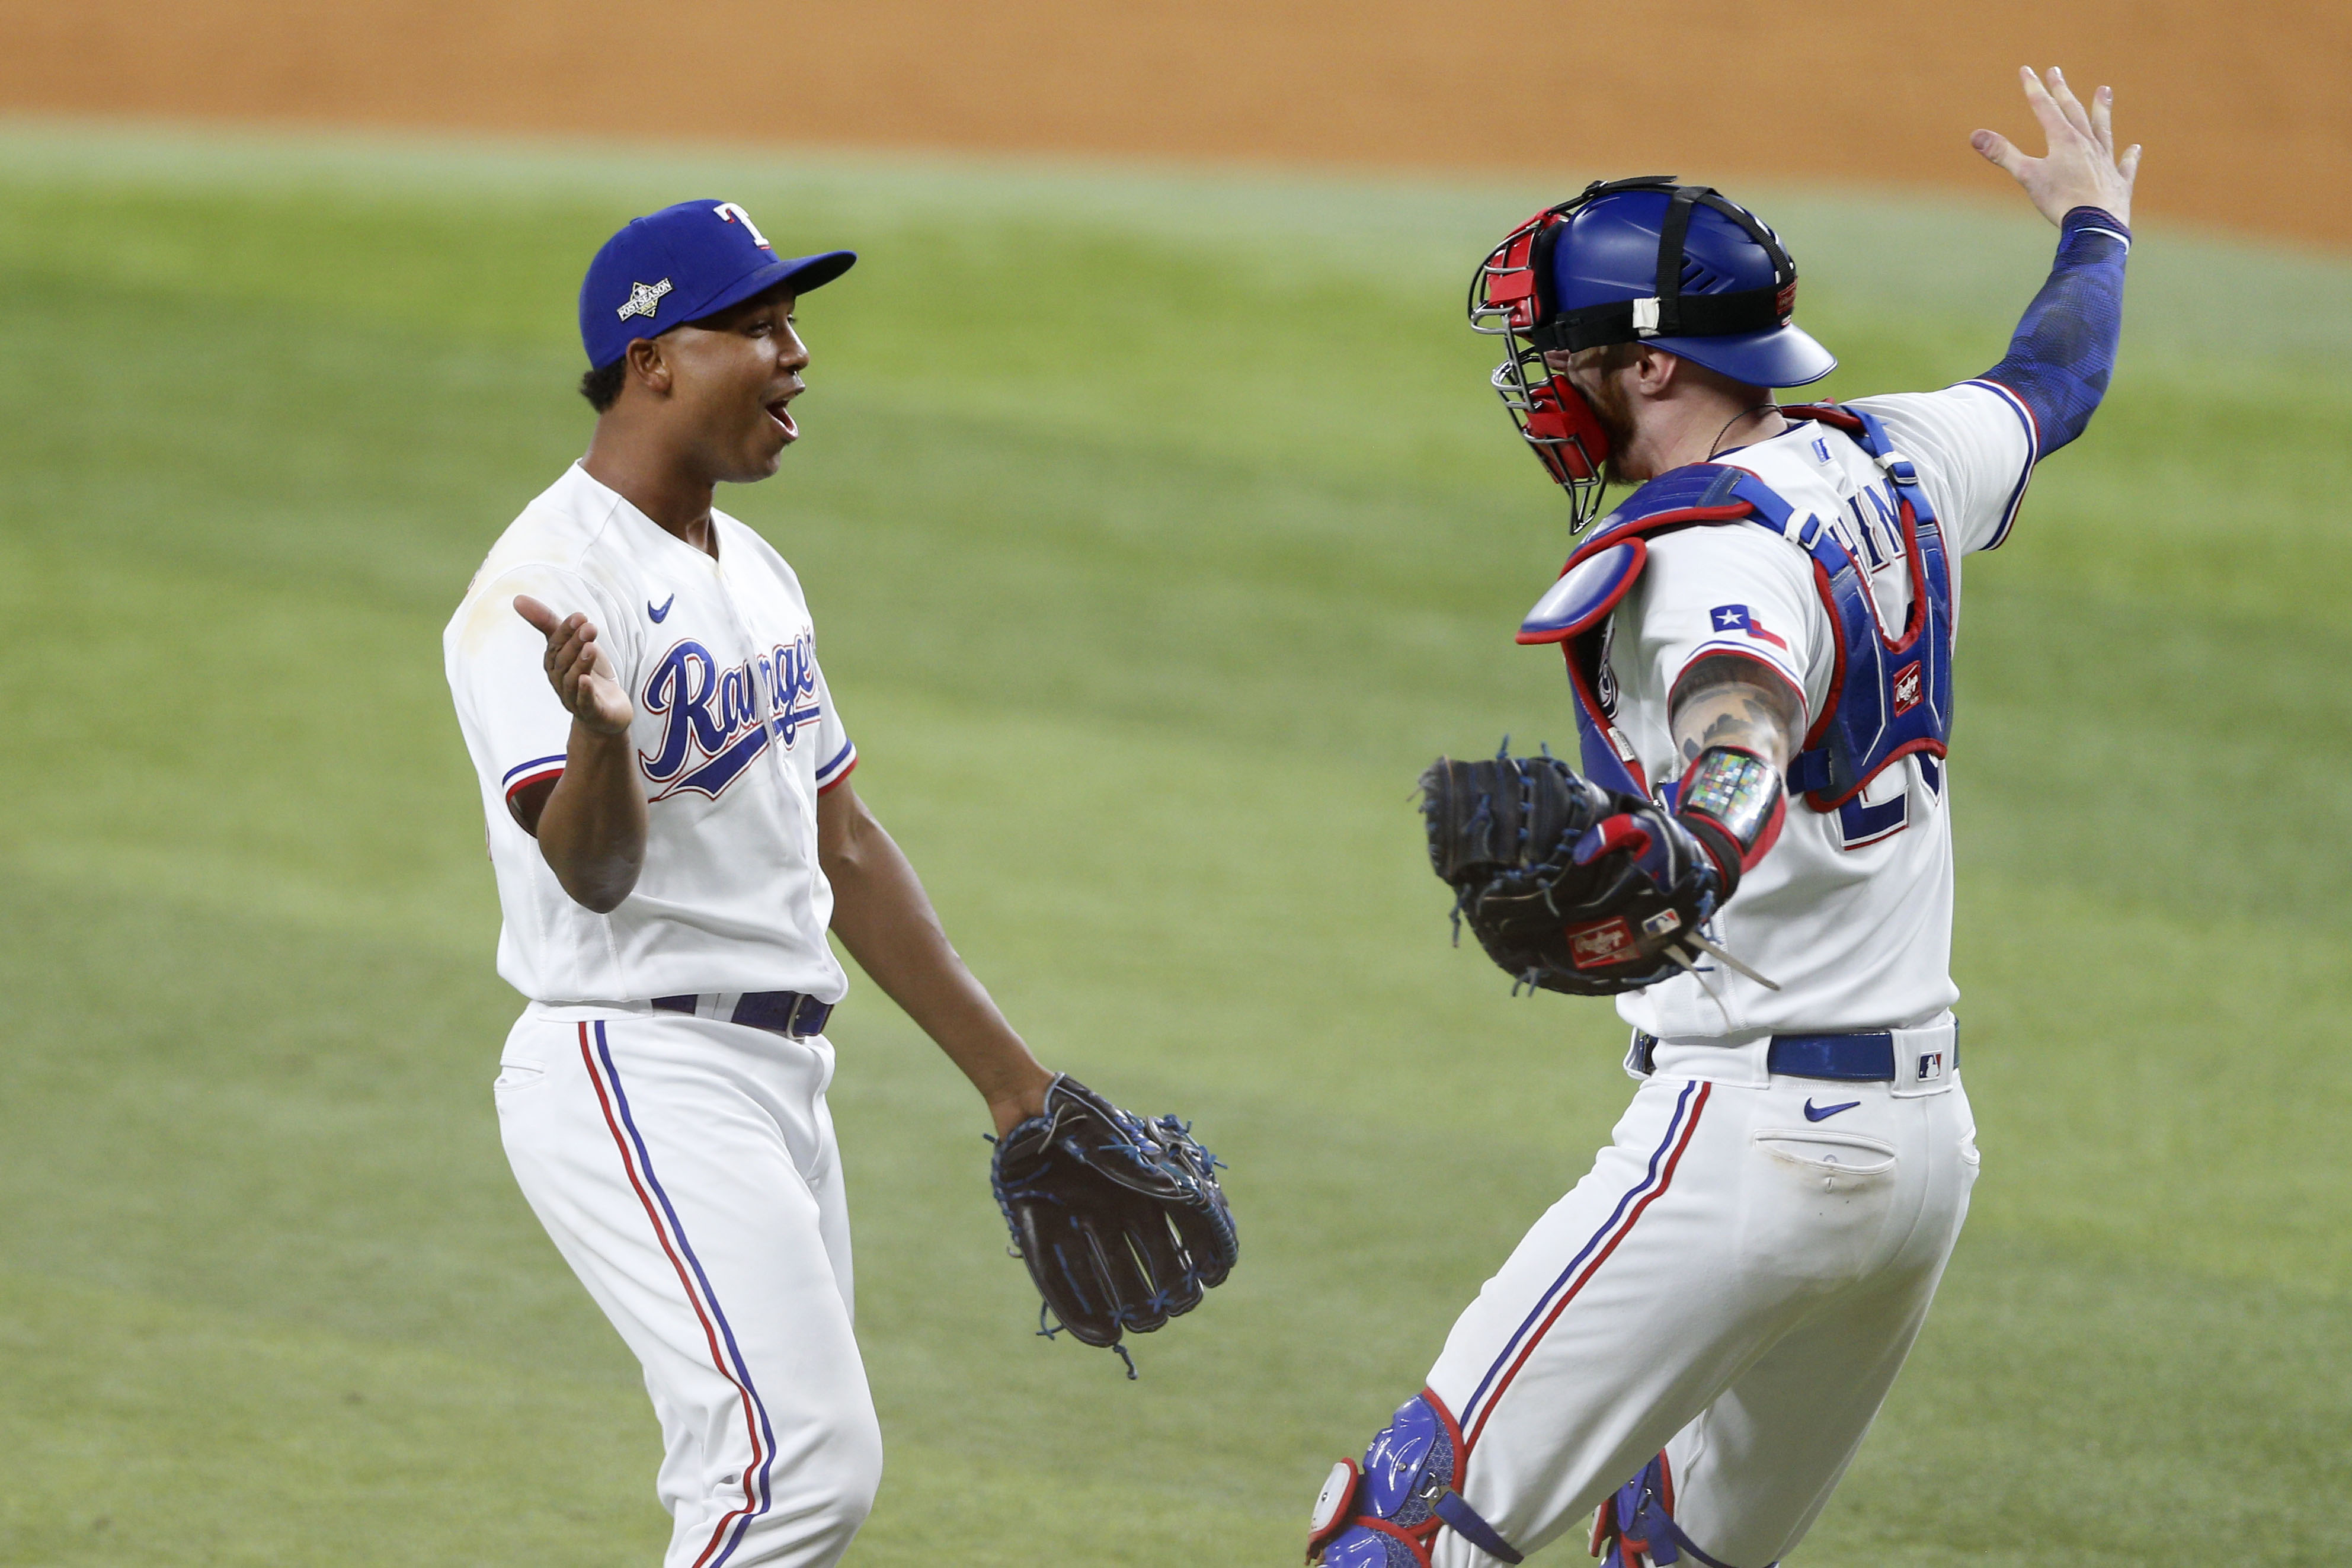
1737 618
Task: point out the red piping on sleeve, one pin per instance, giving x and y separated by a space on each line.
553 772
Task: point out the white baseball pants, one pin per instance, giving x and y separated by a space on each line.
1737 1282
686 1169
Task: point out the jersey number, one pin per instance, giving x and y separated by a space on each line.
1859 825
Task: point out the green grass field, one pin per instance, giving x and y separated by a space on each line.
1159 528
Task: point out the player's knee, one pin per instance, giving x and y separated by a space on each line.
1388 1512
848 1471
819 1496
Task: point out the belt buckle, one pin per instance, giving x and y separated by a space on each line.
808 1017
1641 1056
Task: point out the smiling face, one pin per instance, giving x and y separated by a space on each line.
732 377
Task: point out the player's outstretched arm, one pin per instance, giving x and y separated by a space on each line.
591 824
2063 354
886 920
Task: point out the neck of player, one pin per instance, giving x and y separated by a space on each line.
1682 413
665 484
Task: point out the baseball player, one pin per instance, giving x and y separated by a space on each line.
665 776
1756 861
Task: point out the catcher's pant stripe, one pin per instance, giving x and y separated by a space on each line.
638 1162
1655 1180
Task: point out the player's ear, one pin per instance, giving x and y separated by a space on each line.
650 365
1654 369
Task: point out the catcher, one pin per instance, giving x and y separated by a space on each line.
1756 861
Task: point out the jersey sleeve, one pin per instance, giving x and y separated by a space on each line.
1975 446
1731 591
498 668
836 755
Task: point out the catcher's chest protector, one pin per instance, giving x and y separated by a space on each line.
1890 692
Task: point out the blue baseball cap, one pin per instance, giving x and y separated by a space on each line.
681 264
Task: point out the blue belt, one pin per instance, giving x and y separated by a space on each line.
777 1012
1867 1057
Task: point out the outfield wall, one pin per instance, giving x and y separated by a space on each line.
2242 105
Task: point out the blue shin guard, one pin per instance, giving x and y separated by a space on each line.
1386 1512
1636 1528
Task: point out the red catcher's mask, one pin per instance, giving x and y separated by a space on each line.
1507 300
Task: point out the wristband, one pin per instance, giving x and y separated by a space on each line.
1732 801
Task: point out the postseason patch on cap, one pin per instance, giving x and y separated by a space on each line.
643 300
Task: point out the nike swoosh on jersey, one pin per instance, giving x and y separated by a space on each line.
1823 1114
663 614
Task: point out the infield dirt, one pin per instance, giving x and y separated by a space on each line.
2243 106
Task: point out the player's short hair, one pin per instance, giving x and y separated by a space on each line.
602 387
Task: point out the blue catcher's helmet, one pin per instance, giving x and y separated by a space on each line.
1683 270
1648 259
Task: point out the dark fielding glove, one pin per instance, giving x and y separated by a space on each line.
1575 888
1120 1220
1672 871
1500 835
1655 885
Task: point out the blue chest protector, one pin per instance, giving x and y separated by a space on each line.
1890 695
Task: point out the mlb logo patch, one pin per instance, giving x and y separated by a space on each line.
1931 1065
1906 687
1601 944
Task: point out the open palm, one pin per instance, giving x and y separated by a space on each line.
2081 169
576 667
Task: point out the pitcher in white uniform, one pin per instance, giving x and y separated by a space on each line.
1688 1347
665 773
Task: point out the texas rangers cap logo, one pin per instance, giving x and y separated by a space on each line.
728 212
643 298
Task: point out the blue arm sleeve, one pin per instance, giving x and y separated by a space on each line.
2064 349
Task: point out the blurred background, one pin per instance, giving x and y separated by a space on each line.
1160 527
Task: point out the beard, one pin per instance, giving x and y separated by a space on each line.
1613 411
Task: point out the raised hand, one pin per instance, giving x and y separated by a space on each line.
583 676
2081 169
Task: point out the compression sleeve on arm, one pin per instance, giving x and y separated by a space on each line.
2064 349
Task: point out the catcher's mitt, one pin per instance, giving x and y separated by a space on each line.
1120 1220
1568 886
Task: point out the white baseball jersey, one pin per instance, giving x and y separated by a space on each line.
1852 911
736 736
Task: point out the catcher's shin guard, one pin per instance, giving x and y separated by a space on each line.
1636 1528
1386 1512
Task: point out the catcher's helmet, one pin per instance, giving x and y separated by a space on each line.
1649 261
